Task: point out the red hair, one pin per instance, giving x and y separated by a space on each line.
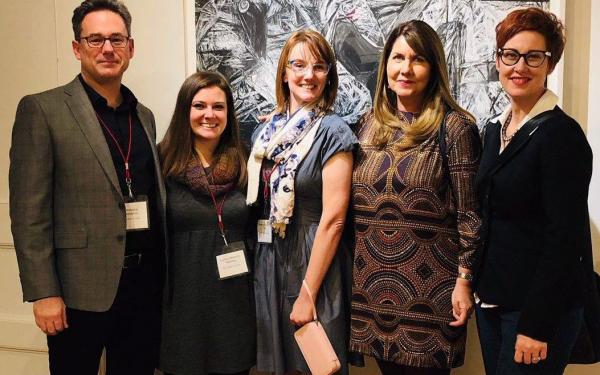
538 20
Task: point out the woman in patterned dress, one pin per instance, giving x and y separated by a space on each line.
415 212
299 174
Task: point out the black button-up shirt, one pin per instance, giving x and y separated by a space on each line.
141 162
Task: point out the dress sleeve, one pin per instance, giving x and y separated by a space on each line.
255 132
338 137
464 153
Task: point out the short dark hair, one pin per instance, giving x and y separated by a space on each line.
89 6
538 20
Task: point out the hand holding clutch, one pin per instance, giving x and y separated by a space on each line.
315 345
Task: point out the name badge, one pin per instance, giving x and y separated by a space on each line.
137 215
264 230
232 262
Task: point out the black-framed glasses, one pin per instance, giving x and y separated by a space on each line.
533 58
301 67
97 41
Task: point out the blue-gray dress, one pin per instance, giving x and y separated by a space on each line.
280 267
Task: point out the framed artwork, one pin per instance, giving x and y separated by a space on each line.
243 38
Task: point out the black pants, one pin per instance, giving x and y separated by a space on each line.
129 330
498 334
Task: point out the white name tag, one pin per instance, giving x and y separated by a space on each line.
231 264
136 215
264 230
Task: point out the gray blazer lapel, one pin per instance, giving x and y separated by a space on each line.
78 102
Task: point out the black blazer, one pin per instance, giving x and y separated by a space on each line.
536 226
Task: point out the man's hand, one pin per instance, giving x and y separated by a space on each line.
50 315
530 351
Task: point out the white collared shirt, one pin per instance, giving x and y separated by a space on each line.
546 103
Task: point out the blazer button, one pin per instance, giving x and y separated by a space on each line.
120 237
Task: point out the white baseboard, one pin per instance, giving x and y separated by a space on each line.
20 334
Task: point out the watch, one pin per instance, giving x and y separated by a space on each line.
466 276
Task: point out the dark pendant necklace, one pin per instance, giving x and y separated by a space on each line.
505 138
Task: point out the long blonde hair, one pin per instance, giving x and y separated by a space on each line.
436 101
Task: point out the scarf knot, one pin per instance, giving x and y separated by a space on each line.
286 141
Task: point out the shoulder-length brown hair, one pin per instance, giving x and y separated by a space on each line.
177 147
321 49
437 99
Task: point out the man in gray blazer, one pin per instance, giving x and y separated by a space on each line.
87 205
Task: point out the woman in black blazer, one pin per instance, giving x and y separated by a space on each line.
533 182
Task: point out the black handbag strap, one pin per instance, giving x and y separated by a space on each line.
444 152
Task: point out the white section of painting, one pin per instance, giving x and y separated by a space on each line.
243 39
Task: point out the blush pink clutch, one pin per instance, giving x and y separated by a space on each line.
315 345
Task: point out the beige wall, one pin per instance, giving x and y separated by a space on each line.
37 56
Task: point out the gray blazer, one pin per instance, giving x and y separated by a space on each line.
66 206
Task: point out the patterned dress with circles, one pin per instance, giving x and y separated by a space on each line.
412 229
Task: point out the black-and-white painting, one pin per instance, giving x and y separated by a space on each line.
243 38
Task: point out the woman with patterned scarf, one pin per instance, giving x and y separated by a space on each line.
299 175
208 314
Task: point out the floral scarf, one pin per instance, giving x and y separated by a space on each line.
286 141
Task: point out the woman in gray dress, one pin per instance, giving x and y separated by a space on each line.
299 173
208 315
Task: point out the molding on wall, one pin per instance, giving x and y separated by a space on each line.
189 36
556 79
20 334
7 246
4 348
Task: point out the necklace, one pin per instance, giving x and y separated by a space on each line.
408 117
505 138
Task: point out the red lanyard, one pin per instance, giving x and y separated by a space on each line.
125 157
266 177
218 208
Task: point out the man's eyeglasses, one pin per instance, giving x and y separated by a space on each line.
301 67
533 58
97 41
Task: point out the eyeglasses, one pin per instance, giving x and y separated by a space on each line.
510 57
301 67
97 41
